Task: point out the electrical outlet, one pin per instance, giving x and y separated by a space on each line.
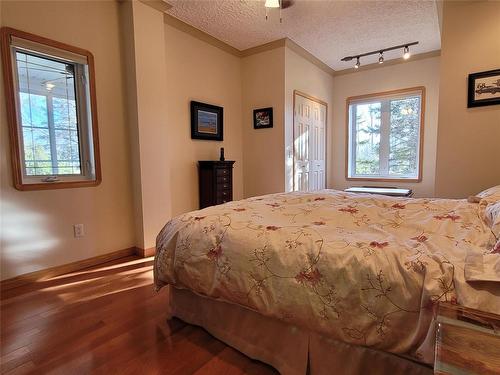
78 230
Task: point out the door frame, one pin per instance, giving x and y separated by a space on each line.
319 101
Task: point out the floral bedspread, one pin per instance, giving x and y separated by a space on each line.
362 269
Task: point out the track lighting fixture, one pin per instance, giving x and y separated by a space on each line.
406 54
358 64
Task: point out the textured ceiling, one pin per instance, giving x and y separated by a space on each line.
329 30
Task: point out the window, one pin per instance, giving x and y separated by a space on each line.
385 135
52 112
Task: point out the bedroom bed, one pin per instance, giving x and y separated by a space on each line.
330 281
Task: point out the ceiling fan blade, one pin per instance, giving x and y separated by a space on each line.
286 3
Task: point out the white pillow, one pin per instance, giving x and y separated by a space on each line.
491 195
492 218
489 202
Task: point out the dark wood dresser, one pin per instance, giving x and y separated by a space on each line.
216 182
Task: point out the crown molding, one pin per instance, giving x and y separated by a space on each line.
159 5
419 56
309 56
263 47
201 35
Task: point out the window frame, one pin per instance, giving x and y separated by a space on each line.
89 143
384 95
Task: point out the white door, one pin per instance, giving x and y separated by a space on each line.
309 144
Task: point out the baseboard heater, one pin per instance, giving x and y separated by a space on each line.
390 191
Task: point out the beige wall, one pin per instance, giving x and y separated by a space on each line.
468 158
199 71
147 117
263 77
36 226
423 72
132 120
304 76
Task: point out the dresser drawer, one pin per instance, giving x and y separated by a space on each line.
223 179
224 194
223 185
221 172
222 200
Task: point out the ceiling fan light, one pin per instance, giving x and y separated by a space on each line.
272 4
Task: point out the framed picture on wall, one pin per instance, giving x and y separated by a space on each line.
263 118
484 88
206 121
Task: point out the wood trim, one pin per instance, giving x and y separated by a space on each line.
416 57
201 35
421 137
145 253
314 99
159 5
264 47
308 56
36 276
10 95
310 97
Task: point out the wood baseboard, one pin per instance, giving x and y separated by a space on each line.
144 253
65 268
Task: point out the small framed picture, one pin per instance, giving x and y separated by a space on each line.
263 118
484 88
206 121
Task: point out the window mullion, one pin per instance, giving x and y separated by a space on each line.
52 135
353 137
385 121
82 120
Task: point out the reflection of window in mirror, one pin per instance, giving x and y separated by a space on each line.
50 94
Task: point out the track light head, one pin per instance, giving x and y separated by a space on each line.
381 58
358 64
406 53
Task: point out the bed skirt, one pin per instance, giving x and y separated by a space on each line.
289 349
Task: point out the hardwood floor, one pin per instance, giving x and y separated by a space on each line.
107 320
